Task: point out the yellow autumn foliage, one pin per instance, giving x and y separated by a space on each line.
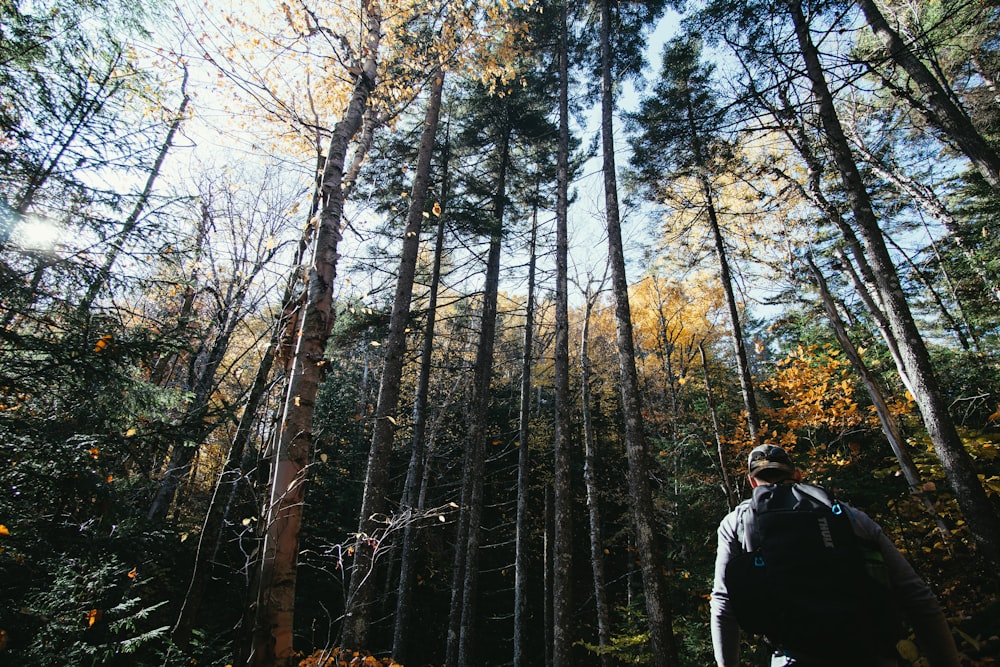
666 309
670 318
817 389
294 65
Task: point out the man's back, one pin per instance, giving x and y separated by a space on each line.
807 582
770 465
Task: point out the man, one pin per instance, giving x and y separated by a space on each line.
770 467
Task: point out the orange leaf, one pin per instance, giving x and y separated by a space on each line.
102 342
132 573
93 616
4 531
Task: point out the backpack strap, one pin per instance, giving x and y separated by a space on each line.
746 524
819 495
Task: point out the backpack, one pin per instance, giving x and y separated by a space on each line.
810 585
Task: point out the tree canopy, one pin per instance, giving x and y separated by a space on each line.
306 357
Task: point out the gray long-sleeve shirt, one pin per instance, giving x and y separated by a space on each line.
913 596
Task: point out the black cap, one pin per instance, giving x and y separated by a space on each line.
770 457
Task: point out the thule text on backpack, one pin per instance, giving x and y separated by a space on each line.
824 531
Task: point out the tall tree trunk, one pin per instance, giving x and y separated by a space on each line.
478 436
726 276
461 548
658 611
461 626
272 644
941 109
466 575
373 502
562 611
548 522
890 427
593 495
956 461
523 458
412 489
727 486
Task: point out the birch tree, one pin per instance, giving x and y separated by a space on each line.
273 628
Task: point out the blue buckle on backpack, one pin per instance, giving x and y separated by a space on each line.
836 508
758 561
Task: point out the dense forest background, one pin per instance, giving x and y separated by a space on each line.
438 332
